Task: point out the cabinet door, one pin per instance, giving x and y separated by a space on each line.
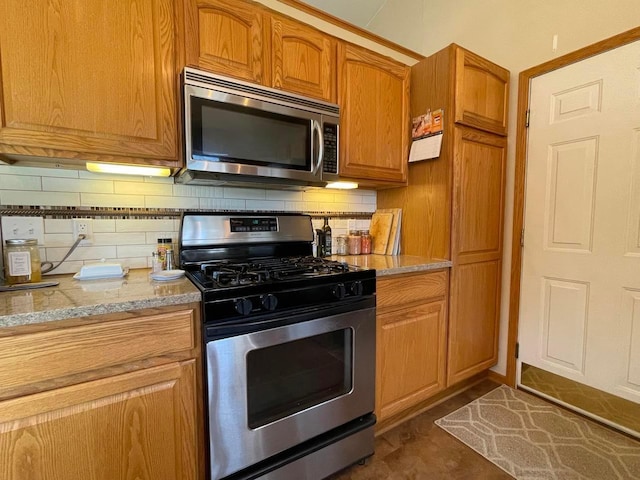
478 195
227 37
89 79
137 425
411 356
481 93
303 59
473 319
373 94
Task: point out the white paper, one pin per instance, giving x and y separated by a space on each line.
426 148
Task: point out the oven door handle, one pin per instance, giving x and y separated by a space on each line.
315 125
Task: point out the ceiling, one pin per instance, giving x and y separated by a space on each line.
358 12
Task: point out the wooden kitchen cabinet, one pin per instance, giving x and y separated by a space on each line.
303 59
453 206
90 80
228 37
374 102
411 340
111 397
481 92
247 41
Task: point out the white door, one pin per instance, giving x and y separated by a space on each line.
580 291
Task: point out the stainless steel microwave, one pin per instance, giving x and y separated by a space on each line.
245 134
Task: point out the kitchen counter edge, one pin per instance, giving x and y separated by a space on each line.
75 298
394 264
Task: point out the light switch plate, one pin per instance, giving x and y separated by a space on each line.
23 227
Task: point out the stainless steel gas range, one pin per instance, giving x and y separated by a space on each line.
289 347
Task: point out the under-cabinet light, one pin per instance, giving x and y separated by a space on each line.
342 185
128 169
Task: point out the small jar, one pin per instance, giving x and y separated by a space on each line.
168 259
342 245
365 242
163 245
354 243
22 261
156 263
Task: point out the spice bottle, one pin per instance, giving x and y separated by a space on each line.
320 243
22 261
354 243
168 259
365 242
163 245
342 246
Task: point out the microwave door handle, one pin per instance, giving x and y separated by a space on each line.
316 126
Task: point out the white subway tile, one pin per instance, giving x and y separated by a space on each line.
37 171
104 225
134 262
347 197
265 205
19 182
285 195
368 199
67 267
52 184
56 254
295 206
318 196
199 191
58 225
142 188
144 225
138 238
339 223
310 207
151 201
106 200
124 251
222 204
14 197
244 193
58 240
165 180
108 176
364 207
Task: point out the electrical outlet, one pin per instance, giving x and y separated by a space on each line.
23 227
83 226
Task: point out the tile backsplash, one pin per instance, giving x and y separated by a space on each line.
130 240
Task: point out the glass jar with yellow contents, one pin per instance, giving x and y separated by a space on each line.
22 261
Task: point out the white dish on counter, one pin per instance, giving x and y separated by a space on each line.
164 275
100 273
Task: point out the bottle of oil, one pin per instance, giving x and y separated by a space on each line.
326 229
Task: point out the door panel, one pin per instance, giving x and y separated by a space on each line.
581 254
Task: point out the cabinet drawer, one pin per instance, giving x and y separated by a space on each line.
405 289
47 355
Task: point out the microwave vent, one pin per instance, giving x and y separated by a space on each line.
257 91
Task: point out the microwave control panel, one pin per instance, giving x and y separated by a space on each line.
330 161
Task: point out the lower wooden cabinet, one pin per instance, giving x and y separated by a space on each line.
119 399
411 340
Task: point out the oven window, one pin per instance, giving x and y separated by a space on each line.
225 132
290 377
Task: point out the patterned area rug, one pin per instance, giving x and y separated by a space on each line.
533 440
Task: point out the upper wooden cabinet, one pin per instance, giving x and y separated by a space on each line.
374 101
227 37
303 59
481 92
247 41
90 80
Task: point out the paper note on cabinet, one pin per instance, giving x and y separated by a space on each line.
426 148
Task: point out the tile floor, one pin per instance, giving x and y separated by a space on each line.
418 450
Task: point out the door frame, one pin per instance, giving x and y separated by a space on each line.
524 82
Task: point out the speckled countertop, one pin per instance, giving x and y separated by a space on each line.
393 265
75 298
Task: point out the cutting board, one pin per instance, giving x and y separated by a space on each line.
394 236
380 229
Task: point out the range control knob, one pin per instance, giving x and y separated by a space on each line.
339 291
269 302
243 306
356 288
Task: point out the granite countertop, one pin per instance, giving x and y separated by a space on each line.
75 298
394 264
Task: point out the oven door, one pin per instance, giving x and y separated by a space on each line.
273 389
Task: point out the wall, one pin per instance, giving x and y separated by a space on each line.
518 35
143 209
